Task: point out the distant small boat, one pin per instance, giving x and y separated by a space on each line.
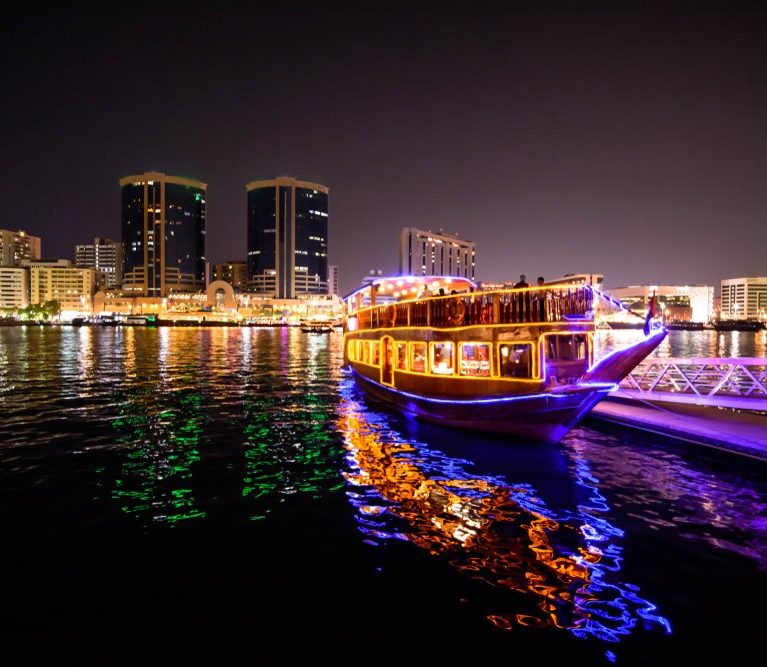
141 320
738 325
685 326
310 326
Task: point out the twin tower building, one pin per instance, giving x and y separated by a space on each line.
164 232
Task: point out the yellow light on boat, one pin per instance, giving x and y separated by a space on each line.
396 294
448 281
413 289
400 283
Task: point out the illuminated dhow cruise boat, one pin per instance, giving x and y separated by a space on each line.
516 361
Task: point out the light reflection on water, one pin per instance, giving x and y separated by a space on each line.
164 431
561 568
659 488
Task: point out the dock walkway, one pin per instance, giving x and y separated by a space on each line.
736 431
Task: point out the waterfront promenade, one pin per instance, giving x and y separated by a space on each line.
714 401
735 431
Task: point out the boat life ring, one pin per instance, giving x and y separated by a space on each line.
456 309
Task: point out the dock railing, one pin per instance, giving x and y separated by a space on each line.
739 382
513 306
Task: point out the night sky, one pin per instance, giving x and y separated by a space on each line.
631 142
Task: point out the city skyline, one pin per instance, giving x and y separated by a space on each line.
618 141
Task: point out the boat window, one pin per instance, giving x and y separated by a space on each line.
442 358
566 347
365 352
475 359
402 356
353 350
515 360
418 357
375 349
581 348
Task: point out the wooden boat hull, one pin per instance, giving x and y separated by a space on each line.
547 416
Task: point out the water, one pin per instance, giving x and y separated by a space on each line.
701 344
237 478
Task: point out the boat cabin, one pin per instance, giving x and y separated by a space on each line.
441 336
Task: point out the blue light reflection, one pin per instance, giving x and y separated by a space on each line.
557 567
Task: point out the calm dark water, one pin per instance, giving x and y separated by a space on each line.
226 478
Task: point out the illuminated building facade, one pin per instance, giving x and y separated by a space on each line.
596 280
744 299
287 237
333 280
427 253
680 303
18 246
14 287
104 255
235 273
163 234
73 287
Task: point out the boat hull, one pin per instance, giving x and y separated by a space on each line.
544 417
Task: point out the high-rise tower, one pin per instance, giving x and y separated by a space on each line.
287 237
163 234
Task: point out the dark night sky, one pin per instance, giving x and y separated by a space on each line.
631 142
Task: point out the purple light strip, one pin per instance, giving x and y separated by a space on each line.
596 386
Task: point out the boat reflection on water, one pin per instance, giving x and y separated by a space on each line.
558 569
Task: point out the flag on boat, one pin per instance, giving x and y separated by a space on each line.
652 311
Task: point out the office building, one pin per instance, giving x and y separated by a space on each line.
14 287
596 280
744 299
18 246
105 256
73 287
677 303
163 234
427 253
333 280
235 273
287 238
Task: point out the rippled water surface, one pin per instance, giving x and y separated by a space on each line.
237 477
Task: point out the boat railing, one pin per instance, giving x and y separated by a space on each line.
739 382
512 306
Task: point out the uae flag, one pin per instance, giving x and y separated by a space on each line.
652 311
